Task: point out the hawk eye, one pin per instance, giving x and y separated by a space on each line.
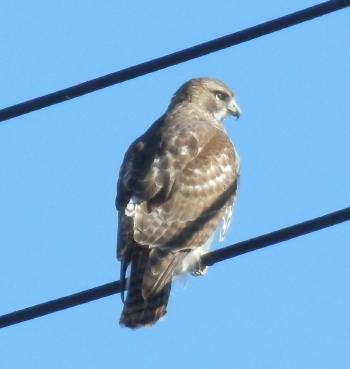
221 96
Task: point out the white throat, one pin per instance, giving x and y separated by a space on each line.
220 115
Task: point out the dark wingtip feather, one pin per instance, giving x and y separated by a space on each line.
139 311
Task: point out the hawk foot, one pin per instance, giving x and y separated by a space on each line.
200 271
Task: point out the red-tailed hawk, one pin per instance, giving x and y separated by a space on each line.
177 183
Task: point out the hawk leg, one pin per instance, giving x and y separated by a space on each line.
200 270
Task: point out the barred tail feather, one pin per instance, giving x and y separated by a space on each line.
139 311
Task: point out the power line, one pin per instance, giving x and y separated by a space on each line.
211 258
272 238
173 59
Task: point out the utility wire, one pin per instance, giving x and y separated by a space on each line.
211 258
173 59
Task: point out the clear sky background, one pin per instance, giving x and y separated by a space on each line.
286 306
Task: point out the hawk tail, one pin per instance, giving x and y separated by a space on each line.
139 311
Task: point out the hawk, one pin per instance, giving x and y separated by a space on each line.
177 183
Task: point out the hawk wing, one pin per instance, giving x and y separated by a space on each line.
176 184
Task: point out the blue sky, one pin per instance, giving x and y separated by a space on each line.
282 307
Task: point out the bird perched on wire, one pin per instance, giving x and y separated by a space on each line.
178 181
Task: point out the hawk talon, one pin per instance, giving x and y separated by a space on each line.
200 271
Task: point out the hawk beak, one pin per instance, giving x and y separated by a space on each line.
234 109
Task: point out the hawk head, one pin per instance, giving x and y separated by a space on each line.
209 94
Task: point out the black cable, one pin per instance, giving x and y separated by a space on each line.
173 59
272 238
211 258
